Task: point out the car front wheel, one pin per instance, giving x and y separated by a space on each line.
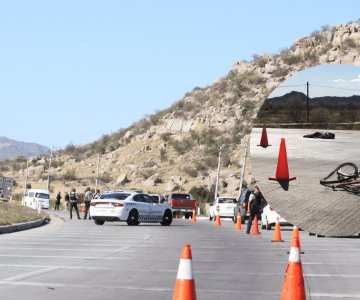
99 222
167 218
133 218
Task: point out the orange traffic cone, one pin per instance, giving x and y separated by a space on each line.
282 170
83 208
217 218
238 222
194 216
293 287
296 235
185 282
277 232
264 140
255 229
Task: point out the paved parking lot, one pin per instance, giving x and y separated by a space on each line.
306 203
79 260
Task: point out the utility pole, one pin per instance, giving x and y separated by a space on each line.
307 103
48 181
26 178
242 172
218 172
97 173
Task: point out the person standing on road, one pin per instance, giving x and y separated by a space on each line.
87 200
67 200
57 202
73 203
255 207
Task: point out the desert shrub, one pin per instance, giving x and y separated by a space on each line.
166 136
260 61
105 178
349 43
280 72
70 149
70 174
182 146
147 173
191 171
289 58
248 106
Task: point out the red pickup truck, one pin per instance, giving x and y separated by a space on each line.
182 204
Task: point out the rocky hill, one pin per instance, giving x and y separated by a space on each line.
177 149
10 149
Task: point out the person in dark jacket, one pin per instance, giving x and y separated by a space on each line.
73 203
57 202
255 207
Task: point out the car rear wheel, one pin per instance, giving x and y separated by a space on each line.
133 218
210 217
99 222
167 218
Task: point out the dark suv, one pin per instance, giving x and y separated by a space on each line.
241 206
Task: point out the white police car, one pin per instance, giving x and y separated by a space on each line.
129 206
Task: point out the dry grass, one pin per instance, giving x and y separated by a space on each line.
13 214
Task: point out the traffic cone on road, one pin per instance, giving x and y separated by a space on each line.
238 222
185 282
282 170
217 218
277 232
264 140
83 208
296 235
194 216
293 287
255 229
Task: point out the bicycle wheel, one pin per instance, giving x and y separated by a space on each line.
342 173
348 170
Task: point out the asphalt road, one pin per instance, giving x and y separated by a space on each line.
76 259
305 202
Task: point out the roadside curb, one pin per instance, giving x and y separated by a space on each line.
24 226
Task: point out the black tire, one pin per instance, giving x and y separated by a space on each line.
263 226
234 219
268 226
187 216
99 222
133 218
343 172
210 217
167 218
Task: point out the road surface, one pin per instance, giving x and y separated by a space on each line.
76 259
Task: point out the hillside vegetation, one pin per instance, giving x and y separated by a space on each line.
177 148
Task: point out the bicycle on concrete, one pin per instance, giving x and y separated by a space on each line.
344 177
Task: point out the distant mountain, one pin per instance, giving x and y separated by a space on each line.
11 149
328 100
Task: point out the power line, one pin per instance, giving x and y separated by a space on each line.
332 87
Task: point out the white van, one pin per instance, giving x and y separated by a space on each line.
34 197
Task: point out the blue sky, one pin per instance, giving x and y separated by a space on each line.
72 71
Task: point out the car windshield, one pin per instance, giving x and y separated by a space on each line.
180 197
42 195
117 196
227 200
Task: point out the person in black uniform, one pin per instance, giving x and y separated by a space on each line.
73 203
57 202
255 207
